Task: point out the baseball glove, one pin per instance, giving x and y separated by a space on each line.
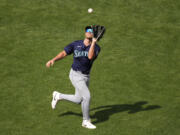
98 31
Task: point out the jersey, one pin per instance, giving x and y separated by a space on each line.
81 62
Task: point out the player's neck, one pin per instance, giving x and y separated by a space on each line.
87 41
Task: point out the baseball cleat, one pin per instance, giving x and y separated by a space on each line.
88 124
55 99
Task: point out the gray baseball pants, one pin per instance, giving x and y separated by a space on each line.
82 95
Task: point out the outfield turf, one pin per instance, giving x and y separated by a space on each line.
134 82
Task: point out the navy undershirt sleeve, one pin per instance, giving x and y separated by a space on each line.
69 48
97 51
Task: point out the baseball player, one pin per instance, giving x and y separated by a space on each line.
84 53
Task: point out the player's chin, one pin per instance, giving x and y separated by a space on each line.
89 37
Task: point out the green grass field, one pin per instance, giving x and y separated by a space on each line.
134 82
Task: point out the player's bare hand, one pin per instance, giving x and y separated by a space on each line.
50 63
94 40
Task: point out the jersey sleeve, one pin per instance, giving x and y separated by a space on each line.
69 48
97 51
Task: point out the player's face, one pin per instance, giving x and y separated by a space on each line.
89 33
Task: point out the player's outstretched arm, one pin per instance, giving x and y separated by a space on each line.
60 56
91 53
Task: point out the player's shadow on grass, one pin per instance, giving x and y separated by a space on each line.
102 113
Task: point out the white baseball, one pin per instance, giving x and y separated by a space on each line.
90 10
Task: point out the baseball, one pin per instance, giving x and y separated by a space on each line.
90 10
